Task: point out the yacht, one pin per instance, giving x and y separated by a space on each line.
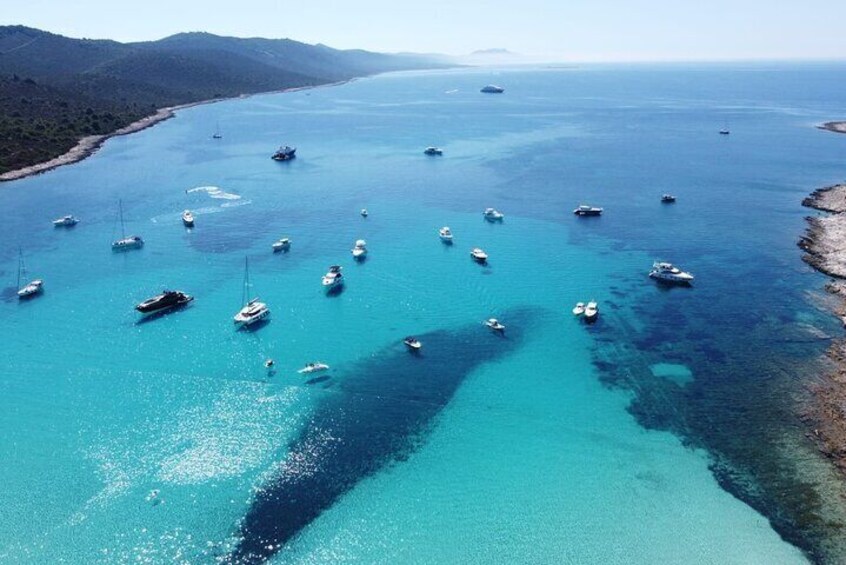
333 278
478 255
412 343
283 244
492 89
591 311
364 212
584 210
359 251
445 234
433 151
31 288
314 367
285 153
164 301
188 219
579 309
126 242
668 198
66 221
667 272
253 311
495 325
493 215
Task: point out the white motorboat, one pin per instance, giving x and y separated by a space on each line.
445 234
359 250
667 272
283 244
493 215
478 255
412 343
433 151
188 219
31 288
585 210
315 367
364 212
126 242
668 198
333 278
579 309
495 325
591 311
66 221
253 310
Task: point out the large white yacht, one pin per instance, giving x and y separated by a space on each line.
333 278
66 221
667 272
359 250
585 210
493 215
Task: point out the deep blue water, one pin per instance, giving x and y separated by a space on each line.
665 432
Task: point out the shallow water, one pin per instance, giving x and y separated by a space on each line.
562 444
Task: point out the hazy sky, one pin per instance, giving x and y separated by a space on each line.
580 30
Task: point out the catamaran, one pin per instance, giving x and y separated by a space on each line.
253 310
126 242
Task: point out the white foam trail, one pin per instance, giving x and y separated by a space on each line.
214 192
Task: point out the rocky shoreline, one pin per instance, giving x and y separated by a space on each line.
837 127
824 244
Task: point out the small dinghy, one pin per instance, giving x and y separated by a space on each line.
412 343
495 325
314 367
364 212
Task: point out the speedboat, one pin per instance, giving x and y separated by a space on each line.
492 89
433 151
31 289
584 210
494 324
412 343
284 153
579 309
725 131
445 234
333 278
188 219
254 311
281 245
66 221
359 251
314 367
493 215
478 255
129 242
668 198
591 311
364 212
667 272
164 301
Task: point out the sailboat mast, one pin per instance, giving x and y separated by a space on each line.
120 212
246 281
20 266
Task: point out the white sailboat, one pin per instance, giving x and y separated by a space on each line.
125 242
33 287
253 310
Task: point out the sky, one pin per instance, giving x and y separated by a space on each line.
560 30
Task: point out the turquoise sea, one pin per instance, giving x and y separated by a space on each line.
664 433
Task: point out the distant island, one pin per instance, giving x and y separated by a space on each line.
60 97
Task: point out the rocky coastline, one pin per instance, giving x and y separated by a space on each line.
824 244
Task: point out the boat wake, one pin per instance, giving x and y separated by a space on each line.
214 192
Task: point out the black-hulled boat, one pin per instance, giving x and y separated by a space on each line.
284 153
164 301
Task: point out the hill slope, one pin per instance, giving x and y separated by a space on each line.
55 90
